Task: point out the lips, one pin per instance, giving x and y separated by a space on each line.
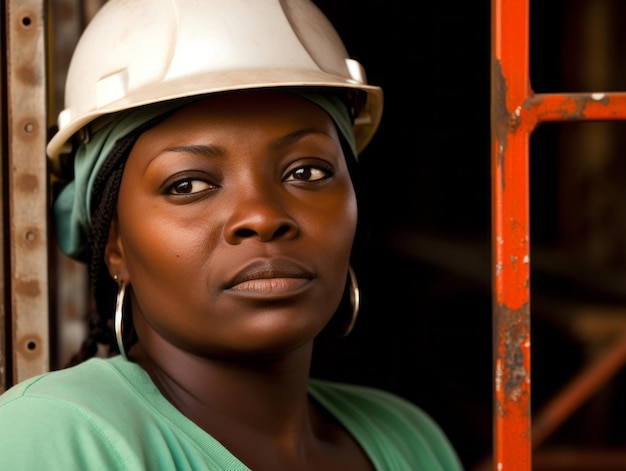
270 277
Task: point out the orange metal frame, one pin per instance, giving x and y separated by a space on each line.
515 113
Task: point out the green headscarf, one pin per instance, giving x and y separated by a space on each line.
71 211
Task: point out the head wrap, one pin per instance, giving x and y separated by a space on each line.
72 208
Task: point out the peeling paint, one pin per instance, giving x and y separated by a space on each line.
500 119
513 327
498 376
580 106
571 107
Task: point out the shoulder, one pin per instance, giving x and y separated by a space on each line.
97 391
68 413
385 422
58 384
101 415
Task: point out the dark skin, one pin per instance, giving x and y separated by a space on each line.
235 223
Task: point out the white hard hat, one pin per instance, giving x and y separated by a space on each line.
139 52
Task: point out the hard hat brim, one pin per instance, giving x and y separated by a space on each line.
365 125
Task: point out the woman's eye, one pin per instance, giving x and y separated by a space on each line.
308 174
188 186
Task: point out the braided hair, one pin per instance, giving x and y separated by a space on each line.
103 207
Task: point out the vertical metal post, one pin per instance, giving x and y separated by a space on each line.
27 186
515 113
510 235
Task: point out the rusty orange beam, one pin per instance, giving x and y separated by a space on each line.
510 91
594 106
515 113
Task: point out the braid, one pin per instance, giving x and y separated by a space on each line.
103 288
103 210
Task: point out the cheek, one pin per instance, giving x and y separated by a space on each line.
166 274
158 250
347 215
336 228
348 223
159 240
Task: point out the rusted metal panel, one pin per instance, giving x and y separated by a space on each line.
28 187
4 347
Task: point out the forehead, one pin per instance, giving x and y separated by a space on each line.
238 120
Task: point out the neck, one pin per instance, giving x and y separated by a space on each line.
267 396
259 409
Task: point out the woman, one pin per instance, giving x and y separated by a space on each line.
214 203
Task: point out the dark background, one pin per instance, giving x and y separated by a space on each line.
424 257
424 330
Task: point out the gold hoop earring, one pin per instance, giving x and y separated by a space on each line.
355 301
119 314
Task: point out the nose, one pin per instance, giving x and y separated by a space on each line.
260 213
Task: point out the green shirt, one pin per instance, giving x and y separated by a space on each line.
108 415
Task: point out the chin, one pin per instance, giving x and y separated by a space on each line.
270 344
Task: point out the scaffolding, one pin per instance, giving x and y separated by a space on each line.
515 113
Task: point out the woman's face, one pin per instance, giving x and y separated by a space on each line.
236 217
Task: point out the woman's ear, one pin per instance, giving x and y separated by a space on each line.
114 253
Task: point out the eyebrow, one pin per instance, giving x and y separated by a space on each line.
198 149
209 150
